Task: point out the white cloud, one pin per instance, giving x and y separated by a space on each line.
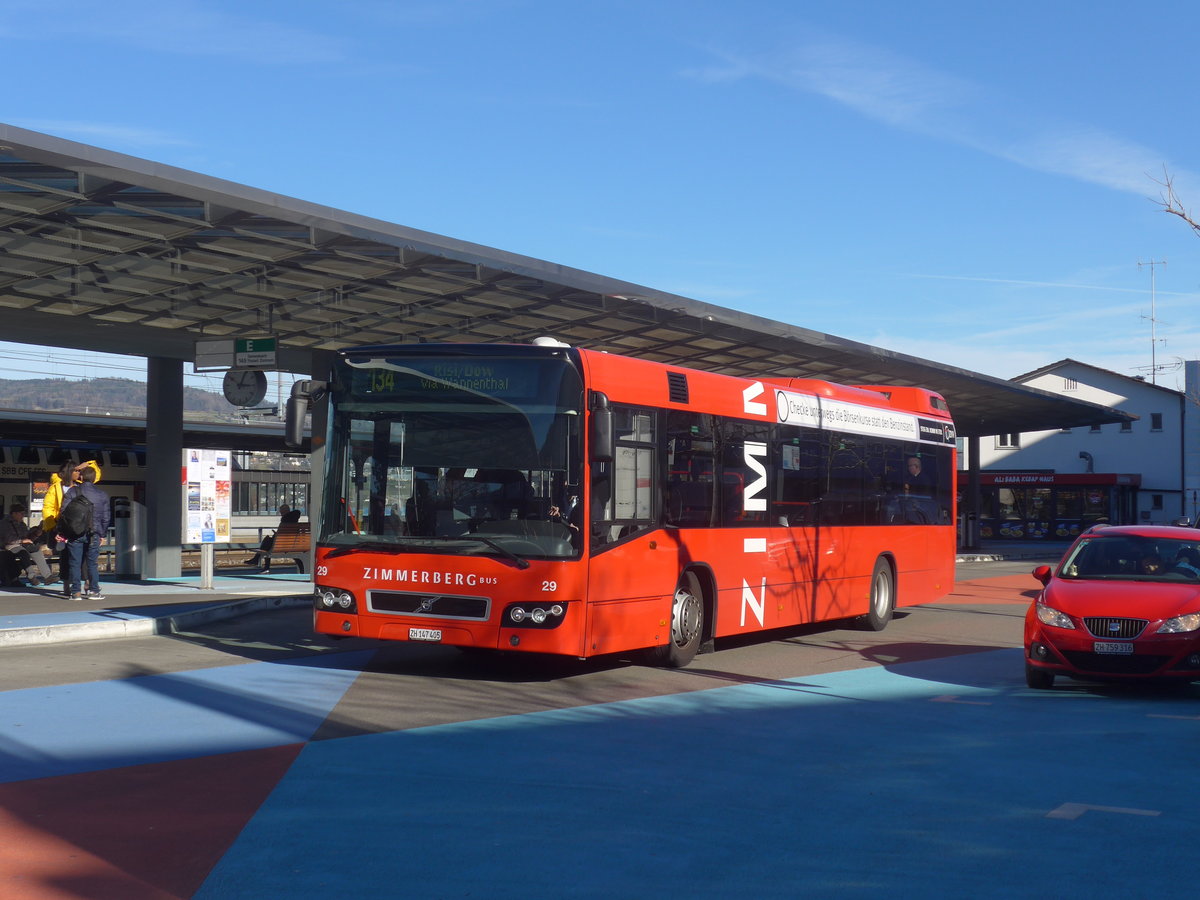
906 94
1088 154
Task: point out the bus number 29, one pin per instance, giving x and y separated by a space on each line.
549 585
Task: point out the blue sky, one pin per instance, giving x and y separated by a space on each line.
965 183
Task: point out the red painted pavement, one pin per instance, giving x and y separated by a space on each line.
1018 589
149 832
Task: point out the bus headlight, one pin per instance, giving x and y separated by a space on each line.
535 615
334 600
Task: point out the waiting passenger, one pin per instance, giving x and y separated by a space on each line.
261 556
16 539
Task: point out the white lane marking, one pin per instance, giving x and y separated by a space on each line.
950 698
1075 810
1163 716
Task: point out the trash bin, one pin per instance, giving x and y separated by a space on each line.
129 537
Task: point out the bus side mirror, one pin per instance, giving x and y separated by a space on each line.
303 392
600 436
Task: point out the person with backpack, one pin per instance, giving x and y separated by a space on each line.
61 481
83 521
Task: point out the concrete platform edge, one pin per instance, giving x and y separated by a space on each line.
145 625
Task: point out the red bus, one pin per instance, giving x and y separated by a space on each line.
558 500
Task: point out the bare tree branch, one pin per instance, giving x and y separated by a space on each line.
1170 203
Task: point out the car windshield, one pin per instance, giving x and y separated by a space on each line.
1133 558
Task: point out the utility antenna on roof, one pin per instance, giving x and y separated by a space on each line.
1153 321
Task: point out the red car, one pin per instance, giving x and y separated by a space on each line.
1124 603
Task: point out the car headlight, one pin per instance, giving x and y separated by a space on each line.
1180 624
1048 615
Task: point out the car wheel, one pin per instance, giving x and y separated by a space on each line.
883 596
1039 679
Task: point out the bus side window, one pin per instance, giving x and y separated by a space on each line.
624 492
745 468
797 462
842 503
690 487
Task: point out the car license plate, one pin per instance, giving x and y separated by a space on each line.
1112 647
434 634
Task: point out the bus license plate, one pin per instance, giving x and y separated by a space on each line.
1112 647
435 634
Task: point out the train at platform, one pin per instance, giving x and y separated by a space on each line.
263 479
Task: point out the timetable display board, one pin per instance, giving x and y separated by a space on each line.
207 496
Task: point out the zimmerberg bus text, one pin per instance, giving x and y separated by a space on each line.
424 576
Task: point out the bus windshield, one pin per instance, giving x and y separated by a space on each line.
476 455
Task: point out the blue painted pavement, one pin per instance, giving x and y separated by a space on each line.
940 777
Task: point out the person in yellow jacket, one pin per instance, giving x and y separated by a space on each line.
60 482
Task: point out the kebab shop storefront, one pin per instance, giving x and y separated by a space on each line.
1045 506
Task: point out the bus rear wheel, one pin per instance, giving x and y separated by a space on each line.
883 596
687 626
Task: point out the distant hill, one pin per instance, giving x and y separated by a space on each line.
98 396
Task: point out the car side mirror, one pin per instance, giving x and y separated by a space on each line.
1042 574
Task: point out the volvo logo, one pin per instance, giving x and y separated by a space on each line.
427 604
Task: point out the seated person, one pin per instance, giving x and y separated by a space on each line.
916 479
261 556
1152 565
1187 562
16 539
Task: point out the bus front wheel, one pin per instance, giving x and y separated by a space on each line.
687 626
883 596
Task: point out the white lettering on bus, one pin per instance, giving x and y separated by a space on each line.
754 501
422 576
756 604
750 497
748 404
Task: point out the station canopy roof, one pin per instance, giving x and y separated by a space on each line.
113 253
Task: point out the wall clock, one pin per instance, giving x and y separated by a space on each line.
244 387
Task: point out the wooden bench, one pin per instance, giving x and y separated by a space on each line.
293 540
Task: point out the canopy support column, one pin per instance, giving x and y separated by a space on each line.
164 456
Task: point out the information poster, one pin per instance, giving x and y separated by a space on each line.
207 500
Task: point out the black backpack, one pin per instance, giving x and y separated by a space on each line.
75 519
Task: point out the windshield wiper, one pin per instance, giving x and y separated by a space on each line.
361 546
520 562
406 545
